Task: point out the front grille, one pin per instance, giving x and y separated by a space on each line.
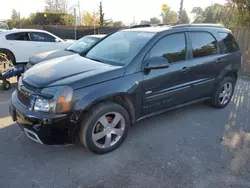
24 99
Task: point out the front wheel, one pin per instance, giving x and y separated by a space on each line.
224 93
104 127
6 85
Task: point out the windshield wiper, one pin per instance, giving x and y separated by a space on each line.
94 59
70 50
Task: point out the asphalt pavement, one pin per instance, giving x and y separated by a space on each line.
193 147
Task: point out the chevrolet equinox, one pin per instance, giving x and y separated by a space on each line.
130 75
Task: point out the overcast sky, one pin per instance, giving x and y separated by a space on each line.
118 10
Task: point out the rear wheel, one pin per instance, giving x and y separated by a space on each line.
104 127
224 93
8 56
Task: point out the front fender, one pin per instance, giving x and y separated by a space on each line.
130 86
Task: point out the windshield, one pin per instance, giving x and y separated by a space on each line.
4 26
83 44
119 47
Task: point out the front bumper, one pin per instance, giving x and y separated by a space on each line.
42 127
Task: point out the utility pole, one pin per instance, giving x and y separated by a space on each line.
101 15
75 22
20 22
94 19
180 12
80 16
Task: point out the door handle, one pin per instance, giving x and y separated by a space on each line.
219 60
185 69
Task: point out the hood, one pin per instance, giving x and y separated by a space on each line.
73 70
48 55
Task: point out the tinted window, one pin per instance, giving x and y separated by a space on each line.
18 36
171 47
120 47
83 44
204 44
43 37
230 42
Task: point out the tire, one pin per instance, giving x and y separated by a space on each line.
92 121
217 98
18 76
9 55
6 85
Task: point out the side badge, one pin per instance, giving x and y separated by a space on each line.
148 92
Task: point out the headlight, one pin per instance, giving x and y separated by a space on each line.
42 105
56 100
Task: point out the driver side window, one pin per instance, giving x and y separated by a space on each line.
172 47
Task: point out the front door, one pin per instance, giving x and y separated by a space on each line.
167 87
45 42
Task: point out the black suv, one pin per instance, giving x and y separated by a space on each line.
130 75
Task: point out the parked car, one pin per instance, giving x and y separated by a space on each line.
130 75
20 44
3 26
80 46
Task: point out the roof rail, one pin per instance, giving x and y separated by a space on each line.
142 25
198 25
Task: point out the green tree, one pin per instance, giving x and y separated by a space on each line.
155 20
243 14
118 24
169 16
14 17
208 15
185 19
67 19
197 12
90 19
144 22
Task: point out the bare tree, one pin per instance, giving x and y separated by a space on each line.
56 5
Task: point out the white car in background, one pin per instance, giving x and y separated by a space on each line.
3 26
20 44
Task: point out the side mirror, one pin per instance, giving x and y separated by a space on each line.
157 63
57 40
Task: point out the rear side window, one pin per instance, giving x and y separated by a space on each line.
42 37
203 44
171 47
18 36
229 42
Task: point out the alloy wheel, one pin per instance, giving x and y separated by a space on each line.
108 130
226 93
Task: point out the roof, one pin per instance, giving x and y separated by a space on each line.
159 28
22 30
149 29
96 36
198 25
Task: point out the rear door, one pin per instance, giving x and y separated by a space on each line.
167 87
21 46
230 48
206 64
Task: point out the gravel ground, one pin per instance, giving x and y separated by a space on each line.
193 147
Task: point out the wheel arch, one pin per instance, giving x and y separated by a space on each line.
5 49
232 74
119 98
